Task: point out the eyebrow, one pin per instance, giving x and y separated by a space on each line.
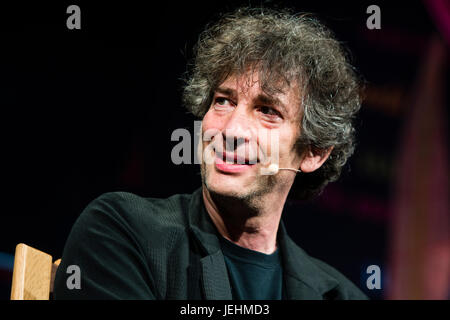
226 91
260 98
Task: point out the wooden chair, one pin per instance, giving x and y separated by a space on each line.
33 274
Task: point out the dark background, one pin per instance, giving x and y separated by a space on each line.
89 111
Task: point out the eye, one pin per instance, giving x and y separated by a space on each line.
222 104
222 101
269 112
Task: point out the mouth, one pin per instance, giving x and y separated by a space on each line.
232 163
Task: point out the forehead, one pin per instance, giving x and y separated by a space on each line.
249 87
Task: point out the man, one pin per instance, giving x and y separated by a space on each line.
257 74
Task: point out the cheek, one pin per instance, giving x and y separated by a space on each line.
211 131
290 149
211 127
212 121
268 145
286 144
206 122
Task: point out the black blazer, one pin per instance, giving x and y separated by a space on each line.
129 247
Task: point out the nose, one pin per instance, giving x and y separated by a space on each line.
237 129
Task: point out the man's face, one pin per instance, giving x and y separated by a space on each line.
238 129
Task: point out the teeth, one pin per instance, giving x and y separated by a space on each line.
229 162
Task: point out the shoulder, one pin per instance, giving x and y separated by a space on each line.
139 207
136 214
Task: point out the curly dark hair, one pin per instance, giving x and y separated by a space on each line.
284 48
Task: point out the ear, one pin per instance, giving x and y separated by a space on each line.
313 159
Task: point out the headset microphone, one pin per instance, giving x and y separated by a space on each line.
273 169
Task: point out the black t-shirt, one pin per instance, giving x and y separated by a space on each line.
253 275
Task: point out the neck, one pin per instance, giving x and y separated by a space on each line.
251 224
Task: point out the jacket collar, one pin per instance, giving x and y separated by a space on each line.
303 278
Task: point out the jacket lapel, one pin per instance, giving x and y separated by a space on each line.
216 284
214 279
304 280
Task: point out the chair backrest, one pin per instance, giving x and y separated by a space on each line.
33 274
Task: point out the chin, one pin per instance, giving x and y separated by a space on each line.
233 186
224 185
